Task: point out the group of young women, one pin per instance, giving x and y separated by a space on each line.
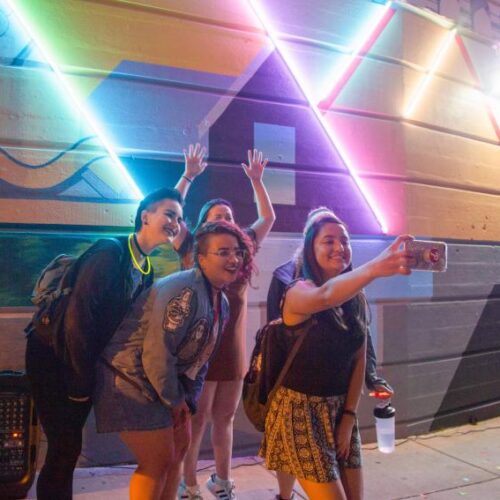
177 359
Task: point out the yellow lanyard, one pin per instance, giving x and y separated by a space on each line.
134 260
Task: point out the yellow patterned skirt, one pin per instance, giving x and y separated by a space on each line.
300 436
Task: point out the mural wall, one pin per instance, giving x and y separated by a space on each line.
480 16
389 114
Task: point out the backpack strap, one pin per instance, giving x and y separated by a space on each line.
295 349
69 279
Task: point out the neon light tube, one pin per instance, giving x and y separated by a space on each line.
366 42
136 192
424 82
271 32
490 103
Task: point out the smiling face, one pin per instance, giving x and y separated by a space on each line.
220 212
332 249
218 259
161 221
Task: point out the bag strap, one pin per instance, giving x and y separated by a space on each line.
288 363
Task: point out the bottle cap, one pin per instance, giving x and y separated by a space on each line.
384 411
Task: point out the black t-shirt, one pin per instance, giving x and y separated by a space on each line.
325 360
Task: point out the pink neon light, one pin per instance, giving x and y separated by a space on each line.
356 59
319 115
429 75
477 80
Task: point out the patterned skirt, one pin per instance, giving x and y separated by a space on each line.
300 437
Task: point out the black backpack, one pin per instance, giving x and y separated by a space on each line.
275 348
51 295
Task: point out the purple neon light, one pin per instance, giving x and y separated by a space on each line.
271 32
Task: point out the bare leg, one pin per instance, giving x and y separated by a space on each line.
155 452
227 397
352 481
285 482
199 423
182 437
323 491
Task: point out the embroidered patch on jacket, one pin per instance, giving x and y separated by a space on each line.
193 343
177 310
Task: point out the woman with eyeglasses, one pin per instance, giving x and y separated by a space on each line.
151 373
222 390
311 429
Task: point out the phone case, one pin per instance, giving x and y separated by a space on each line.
429 255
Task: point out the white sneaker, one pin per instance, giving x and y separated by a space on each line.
224 490
185 493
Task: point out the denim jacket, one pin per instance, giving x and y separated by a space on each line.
164 344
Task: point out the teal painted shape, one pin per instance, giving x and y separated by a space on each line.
25 255
277 141
81 190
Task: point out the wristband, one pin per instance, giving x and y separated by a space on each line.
187 178
349 412
79 400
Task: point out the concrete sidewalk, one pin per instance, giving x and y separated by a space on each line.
458 462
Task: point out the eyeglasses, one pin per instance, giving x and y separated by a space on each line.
225 253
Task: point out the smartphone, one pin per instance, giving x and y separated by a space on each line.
428 255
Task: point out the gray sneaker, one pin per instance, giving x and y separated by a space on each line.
184 494
224 491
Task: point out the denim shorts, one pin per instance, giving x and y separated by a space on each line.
121 406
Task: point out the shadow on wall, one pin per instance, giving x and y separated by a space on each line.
474 391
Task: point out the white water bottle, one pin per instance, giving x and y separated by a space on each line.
385 425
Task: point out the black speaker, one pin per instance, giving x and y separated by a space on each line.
19 435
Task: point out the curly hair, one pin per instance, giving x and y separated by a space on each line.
223 227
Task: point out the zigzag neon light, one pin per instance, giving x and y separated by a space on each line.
342 76
424 82
271 32
136 192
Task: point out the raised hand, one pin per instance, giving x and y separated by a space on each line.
194 163
394 259
255 167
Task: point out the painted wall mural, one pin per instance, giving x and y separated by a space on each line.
385 112
481 16
144 90
53 157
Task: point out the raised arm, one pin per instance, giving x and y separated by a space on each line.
305 298
254 171
194 165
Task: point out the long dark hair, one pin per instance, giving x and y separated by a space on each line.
202 217
224 227
354 311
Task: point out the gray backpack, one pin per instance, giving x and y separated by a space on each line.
51 296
